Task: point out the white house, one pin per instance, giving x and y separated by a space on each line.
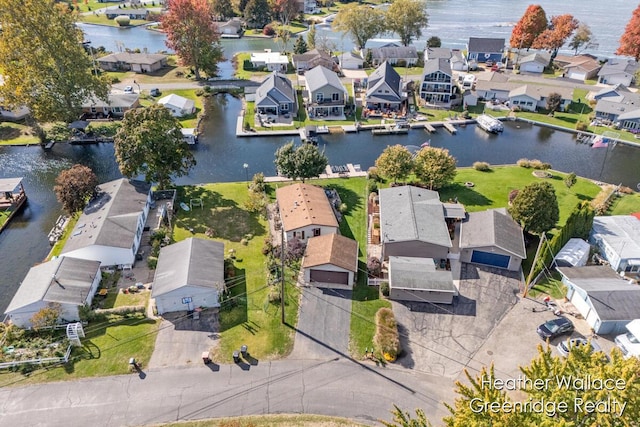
305 212
531 97
331 261
350 61
535 62
179 105
189 274
272 61
69 282
618 71
618 241
110 227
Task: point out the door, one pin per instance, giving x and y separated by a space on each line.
487 258
337 277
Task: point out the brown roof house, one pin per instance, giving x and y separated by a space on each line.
331 261
117 104
129 61
305 212
313 58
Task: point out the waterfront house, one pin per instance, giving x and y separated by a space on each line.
480 49
436 85
350 61
308 60
68 282
189 274
276 96
579 67
305 212
384 91
110 228
231 29
619 106
420 280
136 62
271 61
618 71
533 97
12 199
534 63
178 105
331 261
456 59
114 12
402 56
325 95
618 241
116 105
376 43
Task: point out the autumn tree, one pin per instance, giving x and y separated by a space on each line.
407 18
222 9
150 142
44 64
630 40
434 41
303 162
555 36
74 187
582 37
529 27
536 207
395 162
435 167
47 316
193 35
285 10
361 22
300 46
311 37
257 13
554 100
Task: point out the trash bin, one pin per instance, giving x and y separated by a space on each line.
206 357
243 350
236 356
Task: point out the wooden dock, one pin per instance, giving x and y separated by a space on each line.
448 126
428 128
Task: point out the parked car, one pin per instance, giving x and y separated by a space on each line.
566 346
554 328
128 89
629 343
155 92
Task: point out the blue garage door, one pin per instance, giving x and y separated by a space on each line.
487 258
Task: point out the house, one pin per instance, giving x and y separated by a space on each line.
110 228
116 105
67 281
114 12
575 253
532 97
276 95
350 61
535 62
178 105
618 71
618 241
610 109
436 85
325 95
495 89
136 62
412 223
604 299
579 67
272 61
307 6
402 56
189 274
384 90
485 49
305 212
331 260
613 93
231 29
376 43
308 60
419 280
455 57
492 238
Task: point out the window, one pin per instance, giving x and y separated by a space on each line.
284 106
302 235
335 97
319 97
316 232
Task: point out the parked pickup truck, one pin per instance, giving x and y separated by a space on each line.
629 343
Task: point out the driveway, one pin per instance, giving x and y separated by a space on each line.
323 323
442 339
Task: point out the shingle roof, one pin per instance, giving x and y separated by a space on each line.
437 52
319 77
481 44
177 101
538 57
621 232
410 213
434 65
331 249
492 228
133 58
276 88
302 205
394 52
384 74
418 273
618 66
191 262
123 100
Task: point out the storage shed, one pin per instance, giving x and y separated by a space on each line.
574 254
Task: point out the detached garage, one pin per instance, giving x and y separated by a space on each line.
189 274
419 280
331 261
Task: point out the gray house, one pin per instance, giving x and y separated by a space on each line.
412 223
136 62
618 71
384 90
436 86
402 56
276 95
618 240
482 49
326 95
456 59
492 238
419 280
308 60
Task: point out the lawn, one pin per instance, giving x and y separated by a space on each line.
191 120
172 73
16 134
116 298
59 245
3 217
551 286
93 5
625 204
101 19
300 420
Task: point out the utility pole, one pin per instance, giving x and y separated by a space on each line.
282 282
535 260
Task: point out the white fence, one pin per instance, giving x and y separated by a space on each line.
373 281
39 361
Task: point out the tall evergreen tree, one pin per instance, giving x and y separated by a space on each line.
311 37
300 46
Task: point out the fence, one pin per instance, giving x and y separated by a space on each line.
40 361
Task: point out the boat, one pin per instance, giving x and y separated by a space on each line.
425 144
489 123
58 229
185 207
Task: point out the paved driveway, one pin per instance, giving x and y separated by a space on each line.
323 324
441 339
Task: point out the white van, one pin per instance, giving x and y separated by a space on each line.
629 343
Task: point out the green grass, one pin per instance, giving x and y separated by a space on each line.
93 5
302 420
239 65
102 19
625 204
4 215
16 134
191 120
57 248
551 286
116 298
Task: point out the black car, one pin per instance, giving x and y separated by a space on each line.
554 328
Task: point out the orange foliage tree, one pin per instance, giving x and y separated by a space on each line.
555 36
529 27
630 40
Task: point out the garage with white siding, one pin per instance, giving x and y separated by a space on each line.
331 261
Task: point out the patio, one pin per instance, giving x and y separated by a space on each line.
270 120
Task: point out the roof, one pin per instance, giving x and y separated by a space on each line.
311 55
410 213
9 184
618 105
620 232
481 44
133 58
269 57
319 77
384 74
574 253
612 297
618 66
437 52
110 218
350 56
177 101
618 91
276 88
537 57
381 42
582 62
492 227
331 249
419 274
539 92
302 205
124 100
434 65
63 280
394 52
454 210
191 262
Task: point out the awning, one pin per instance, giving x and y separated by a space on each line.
9 184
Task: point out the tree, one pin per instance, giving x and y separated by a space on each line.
222 9
554 37
361 22
300 46
407 18
435 167
74 187
582 37
47 316
395 162
44 64
285 10
403 419
150 142
553 102
434 41
630 40
529 27
303 162
257 13
536 207
311 37
570 180
282 36
193 35
242 6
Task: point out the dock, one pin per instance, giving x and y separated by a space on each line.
448 126
350 128
428 128
12 199
341 171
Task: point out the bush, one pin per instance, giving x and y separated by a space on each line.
538 164
524 163
482 166
152 262
512 195
372 186
268 30
267 248
122 21
384 288
343 208
582 126
374 267
600 203
257 183
274 294
387 339
244 242
199 92
374 175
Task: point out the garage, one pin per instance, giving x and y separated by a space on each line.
487 258
335 277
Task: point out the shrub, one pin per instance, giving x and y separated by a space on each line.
512 195
374 175
274 294
343 208
582 126
268 30
257 183
536 164
244 242
482 166
374 266
199 92
524 163
384 288
267 248
372 186
122 21
600 203
387 339
625 190
152 262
